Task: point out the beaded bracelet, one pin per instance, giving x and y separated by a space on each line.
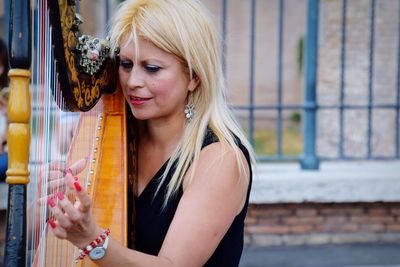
99 240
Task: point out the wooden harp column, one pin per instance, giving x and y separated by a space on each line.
18 132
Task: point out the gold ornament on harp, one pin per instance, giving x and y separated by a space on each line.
88 78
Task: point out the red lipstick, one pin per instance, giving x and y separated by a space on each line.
138 100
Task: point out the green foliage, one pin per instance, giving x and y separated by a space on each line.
300 55
295 117
265 141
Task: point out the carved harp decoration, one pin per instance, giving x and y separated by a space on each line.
70 72
88 69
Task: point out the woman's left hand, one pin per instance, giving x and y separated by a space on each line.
73 221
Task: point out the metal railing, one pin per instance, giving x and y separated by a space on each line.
309 158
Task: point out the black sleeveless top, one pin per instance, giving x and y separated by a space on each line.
152 221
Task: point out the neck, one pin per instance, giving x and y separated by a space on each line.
164 134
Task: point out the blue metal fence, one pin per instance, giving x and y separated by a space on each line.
310 107
309 159
370 106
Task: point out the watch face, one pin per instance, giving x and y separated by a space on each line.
97 253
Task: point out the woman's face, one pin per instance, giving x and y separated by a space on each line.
157 86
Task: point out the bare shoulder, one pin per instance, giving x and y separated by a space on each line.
222 173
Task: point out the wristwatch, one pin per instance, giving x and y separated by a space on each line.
98 253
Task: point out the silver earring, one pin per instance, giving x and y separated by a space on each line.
189 108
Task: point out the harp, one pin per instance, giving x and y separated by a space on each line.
73 77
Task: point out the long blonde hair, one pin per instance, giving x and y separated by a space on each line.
185 29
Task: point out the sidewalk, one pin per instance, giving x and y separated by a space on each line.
346 255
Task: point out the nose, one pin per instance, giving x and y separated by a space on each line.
136 78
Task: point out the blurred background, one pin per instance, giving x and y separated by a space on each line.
316 86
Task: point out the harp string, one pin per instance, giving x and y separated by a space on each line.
50 131
54 145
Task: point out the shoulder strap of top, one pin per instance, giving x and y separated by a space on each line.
209 138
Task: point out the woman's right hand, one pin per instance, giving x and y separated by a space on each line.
57 174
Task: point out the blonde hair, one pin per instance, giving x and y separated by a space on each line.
185 29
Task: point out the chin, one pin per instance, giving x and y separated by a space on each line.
139 115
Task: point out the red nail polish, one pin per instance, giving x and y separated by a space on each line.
76 178
60 195
51 202
52 223
78 187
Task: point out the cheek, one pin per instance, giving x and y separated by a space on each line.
164 89
171 99
169 89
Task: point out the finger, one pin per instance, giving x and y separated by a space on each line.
70 211
70 180
78 166
58 214
44 200
83 197
58 231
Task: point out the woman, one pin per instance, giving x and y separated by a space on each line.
194 173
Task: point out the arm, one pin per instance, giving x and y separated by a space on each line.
205 212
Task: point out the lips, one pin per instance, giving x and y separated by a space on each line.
135 100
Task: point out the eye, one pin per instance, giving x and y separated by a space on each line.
126 64
151 68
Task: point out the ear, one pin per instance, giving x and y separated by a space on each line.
194 82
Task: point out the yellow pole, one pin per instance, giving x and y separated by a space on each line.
19 113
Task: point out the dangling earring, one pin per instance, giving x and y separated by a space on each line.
189 108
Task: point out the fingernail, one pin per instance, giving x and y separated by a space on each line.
51 202
78 187
60 196
52 223
76 178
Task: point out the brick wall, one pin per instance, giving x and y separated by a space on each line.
320 223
